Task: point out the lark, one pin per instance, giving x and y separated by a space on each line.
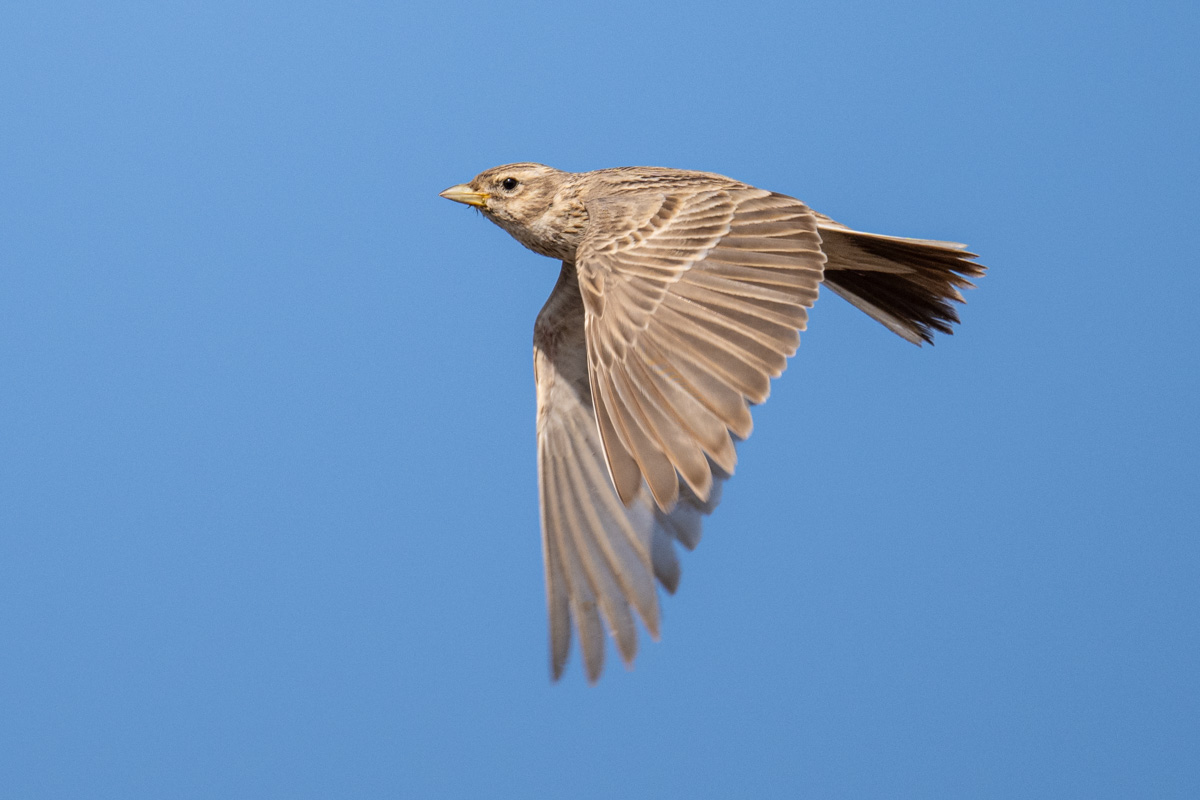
681 295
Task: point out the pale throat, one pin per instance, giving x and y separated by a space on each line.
555 237
556 233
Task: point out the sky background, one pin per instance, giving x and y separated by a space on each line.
268 520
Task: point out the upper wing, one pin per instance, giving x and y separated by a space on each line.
694 301
601 556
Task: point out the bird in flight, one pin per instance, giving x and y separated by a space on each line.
681 295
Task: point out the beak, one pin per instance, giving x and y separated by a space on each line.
465 194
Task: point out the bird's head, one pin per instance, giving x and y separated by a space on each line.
514 192
516 197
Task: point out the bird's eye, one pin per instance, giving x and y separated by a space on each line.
509 184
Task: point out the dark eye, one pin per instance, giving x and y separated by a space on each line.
509 184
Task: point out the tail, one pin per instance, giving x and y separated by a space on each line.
907 284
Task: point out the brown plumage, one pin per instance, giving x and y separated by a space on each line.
681 295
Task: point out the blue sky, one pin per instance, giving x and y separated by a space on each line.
268 521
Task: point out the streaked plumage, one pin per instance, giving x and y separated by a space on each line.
681 295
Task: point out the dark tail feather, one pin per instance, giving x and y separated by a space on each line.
906 284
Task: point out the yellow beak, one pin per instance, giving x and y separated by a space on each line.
465 194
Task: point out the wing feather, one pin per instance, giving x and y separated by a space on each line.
701 424
711 286
696 373
789 317
584 609
610 596
602 557
634 429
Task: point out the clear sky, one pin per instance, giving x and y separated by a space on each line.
268 521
